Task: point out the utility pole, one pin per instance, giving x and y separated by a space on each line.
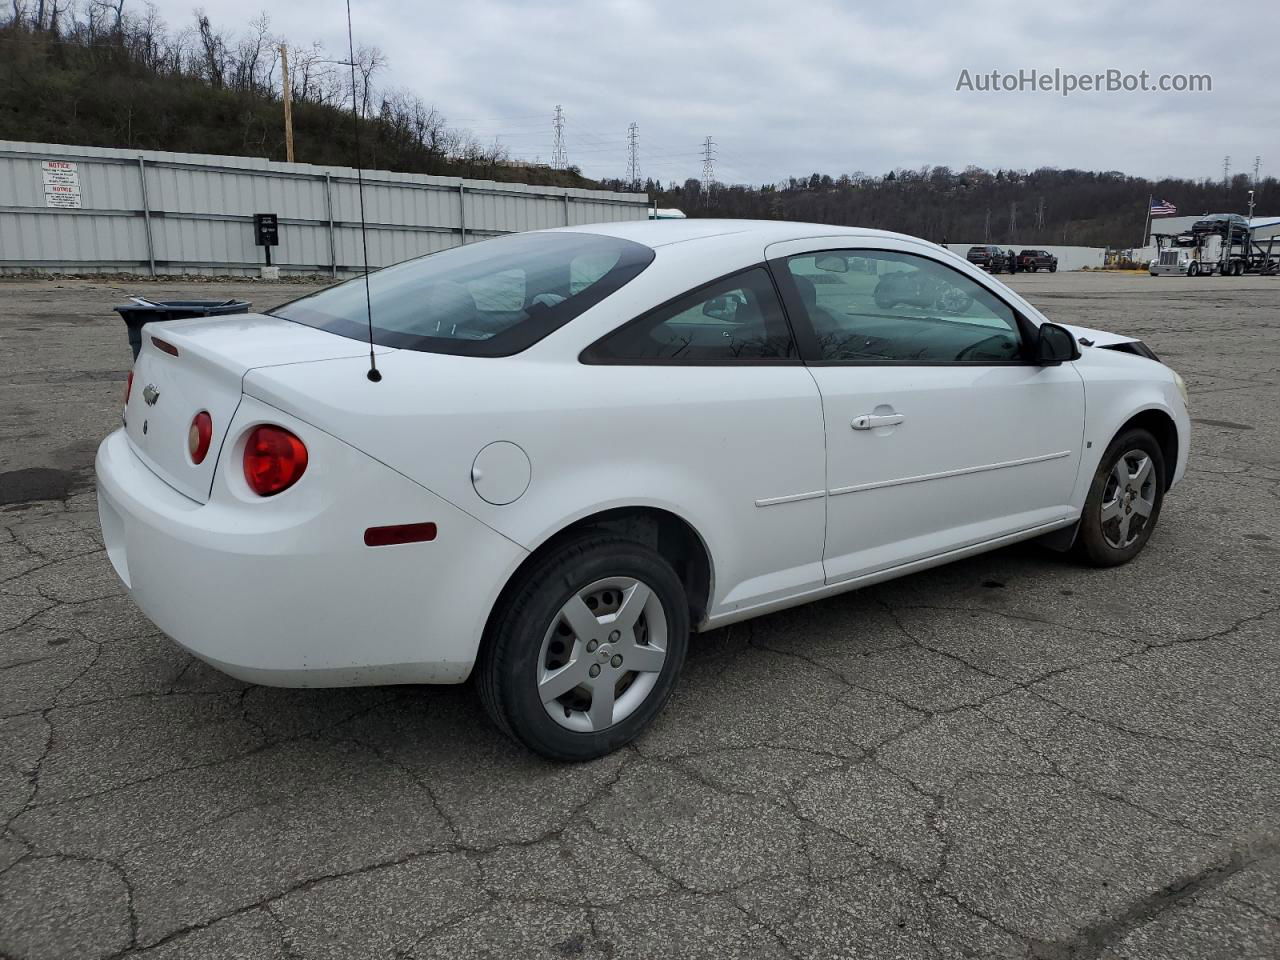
288 102
1040 214
1013 221
559 160
986 228
708 168
633 155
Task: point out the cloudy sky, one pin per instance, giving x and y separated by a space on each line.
788 88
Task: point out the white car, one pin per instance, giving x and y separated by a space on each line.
585 443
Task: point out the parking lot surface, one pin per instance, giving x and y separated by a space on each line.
1011 756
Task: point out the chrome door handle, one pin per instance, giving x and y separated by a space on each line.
869 421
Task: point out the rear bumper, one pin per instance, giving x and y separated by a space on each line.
283 591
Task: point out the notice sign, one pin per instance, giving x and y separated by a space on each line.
61 183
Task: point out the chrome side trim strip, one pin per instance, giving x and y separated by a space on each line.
876 485
790 498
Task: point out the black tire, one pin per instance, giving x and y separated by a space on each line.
1193 270
508 668
1053 268
1094 537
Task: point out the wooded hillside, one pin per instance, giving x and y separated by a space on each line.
97 75
1009 207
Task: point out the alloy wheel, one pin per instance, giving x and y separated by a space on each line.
1128 499
602 654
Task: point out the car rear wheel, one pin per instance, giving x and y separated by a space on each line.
586 648
1124 500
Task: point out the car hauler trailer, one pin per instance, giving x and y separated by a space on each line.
1225 244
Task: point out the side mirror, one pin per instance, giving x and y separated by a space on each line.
1055 345
831 263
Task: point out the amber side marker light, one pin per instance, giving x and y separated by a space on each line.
400 533
165 345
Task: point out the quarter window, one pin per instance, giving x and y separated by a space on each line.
737 319
880 306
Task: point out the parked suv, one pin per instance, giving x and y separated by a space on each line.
1033 260
992 259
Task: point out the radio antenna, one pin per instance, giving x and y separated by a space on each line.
374 374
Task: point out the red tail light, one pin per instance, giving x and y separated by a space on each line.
200 436
274 459
128 387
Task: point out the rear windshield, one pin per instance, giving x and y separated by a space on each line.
490 299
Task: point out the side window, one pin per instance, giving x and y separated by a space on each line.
736 319
870 306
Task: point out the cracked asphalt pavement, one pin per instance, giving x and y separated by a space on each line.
1012 756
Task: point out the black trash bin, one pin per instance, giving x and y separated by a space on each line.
143 311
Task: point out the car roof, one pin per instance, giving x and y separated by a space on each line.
659 233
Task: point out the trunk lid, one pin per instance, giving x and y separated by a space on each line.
186 366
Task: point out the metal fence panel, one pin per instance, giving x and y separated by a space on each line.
175 213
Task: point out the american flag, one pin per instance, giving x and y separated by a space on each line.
1162 208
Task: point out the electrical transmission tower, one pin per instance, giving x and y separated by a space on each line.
633 155
708 168
1226 171
559 159
1257 165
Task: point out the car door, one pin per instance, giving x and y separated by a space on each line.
711 386
941 433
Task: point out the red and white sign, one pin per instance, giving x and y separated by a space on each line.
61 184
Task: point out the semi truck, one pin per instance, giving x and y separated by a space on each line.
1225 244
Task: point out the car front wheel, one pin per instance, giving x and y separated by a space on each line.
585 648
1124 500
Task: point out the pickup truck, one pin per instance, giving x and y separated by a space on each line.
1029 261
991 258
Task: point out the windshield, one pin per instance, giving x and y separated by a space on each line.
490 299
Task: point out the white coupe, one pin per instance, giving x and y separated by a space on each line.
585 443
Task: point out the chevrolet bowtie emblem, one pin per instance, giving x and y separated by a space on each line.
150 394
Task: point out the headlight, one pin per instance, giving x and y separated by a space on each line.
1182 389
